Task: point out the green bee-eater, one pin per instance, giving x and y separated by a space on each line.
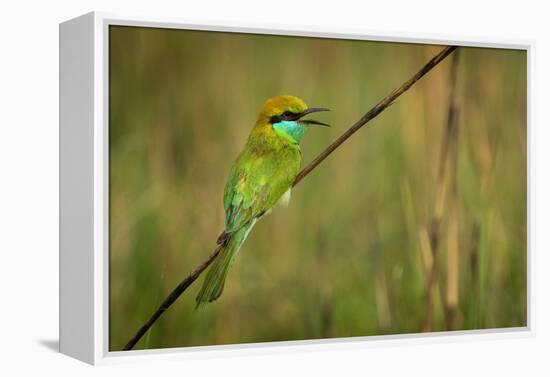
261 176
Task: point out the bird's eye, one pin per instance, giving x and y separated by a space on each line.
287 113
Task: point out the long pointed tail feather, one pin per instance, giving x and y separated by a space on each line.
213 284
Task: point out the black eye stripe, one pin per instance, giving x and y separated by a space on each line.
287 115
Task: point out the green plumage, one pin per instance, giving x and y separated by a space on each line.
262 173
215 279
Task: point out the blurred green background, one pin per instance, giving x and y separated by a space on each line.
351 255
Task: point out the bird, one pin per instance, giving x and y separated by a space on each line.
261 176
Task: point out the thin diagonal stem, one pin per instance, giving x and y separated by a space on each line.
171 298
371 114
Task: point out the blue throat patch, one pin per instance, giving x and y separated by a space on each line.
290 129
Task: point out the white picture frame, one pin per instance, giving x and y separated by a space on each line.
84 193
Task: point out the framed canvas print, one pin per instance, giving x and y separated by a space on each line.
232 189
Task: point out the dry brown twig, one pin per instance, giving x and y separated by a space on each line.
445 177
371 114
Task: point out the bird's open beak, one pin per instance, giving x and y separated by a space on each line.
312 121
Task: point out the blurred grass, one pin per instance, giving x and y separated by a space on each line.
345 259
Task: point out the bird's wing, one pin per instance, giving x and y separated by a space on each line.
243 199
255 184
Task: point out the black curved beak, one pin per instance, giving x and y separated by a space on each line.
312 121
